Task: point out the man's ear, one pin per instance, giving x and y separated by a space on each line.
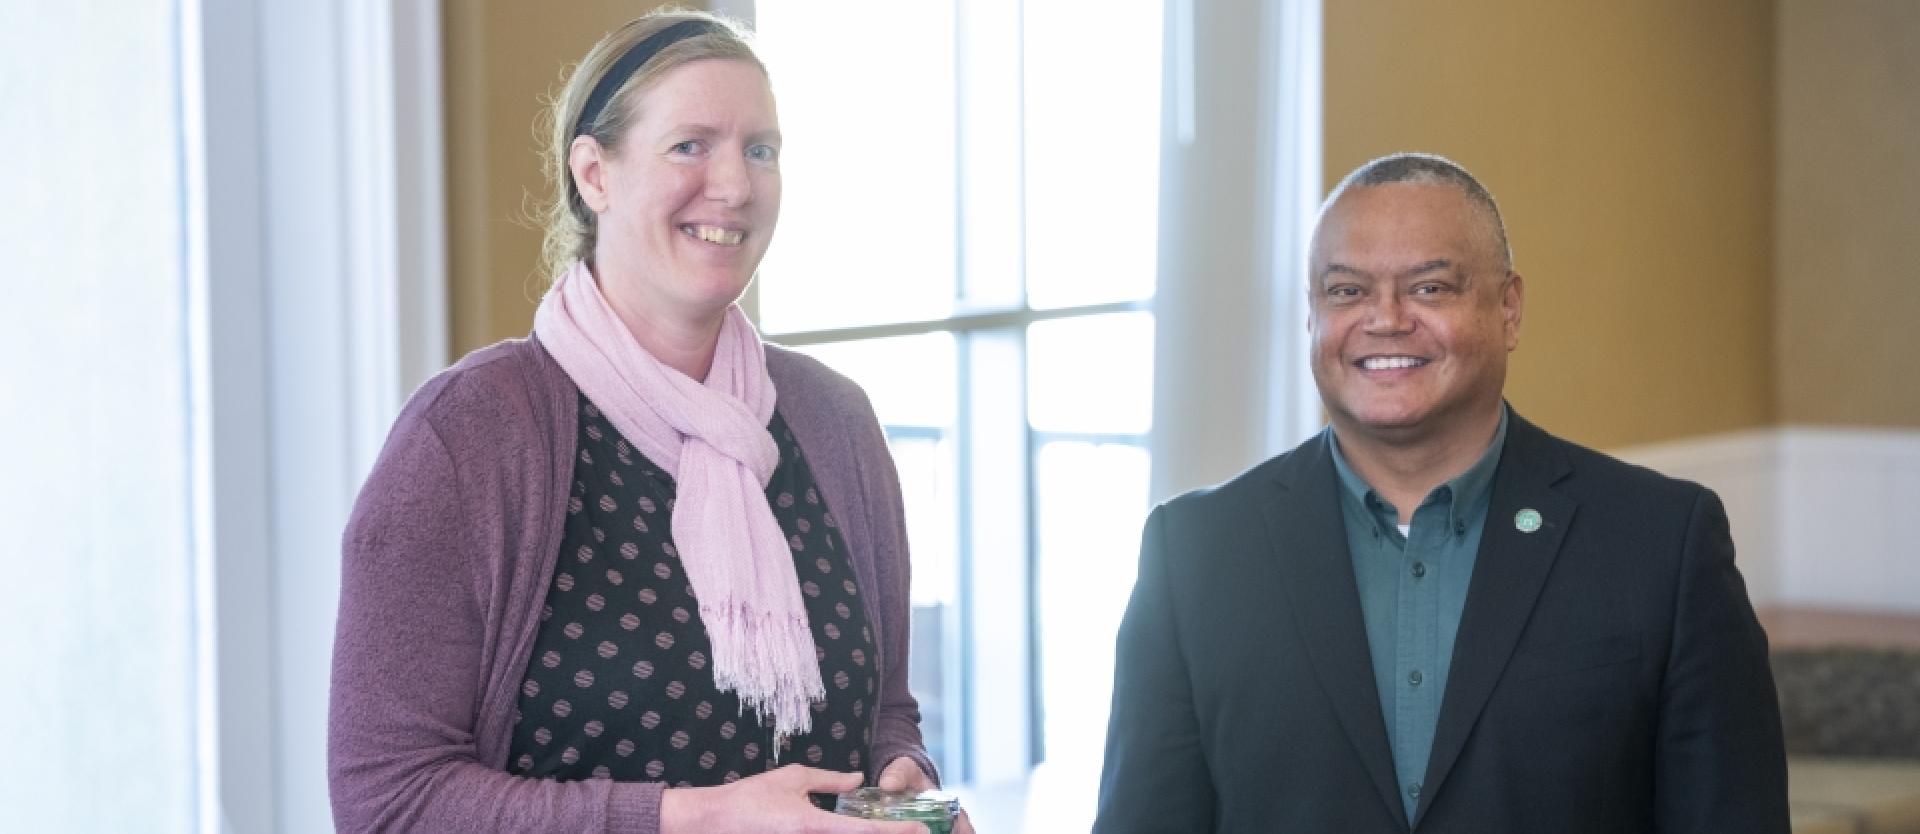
587 160
1513 300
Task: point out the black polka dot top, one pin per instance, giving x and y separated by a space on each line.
620 683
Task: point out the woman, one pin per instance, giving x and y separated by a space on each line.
639 572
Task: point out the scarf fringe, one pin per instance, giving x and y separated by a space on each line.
758 673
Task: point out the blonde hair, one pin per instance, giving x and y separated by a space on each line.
570 226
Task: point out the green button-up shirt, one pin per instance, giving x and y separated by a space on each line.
1413 587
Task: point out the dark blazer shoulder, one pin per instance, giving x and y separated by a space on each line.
1230 505
1590 474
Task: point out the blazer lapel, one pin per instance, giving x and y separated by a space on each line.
1310 538
1508 574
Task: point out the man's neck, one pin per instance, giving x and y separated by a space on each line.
1404 471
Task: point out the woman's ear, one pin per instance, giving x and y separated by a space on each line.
587 161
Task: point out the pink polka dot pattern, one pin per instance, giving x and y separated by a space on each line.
622 638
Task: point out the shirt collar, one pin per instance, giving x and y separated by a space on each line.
1469 489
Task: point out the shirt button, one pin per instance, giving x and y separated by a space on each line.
1414 677
1419 569
1413 790
1460 528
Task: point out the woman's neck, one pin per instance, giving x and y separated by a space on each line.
684 341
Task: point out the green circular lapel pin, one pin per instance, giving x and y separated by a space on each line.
1527 520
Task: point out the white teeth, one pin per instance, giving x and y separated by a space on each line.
715 234
1382 363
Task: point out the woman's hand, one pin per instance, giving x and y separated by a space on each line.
774 801
904 774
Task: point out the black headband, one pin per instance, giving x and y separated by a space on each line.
637 56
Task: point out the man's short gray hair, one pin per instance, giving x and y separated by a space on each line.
1426 169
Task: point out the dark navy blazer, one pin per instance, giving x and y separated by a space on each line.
1609 675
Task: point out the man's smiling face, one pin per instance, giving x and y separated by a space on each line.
1413 312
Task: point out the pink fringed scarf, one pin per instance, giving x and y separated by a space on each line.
712 438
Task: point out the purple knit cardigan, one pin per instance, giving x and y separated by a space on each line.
446 563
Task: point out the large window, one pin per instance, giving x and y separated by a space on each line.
96 527
969 232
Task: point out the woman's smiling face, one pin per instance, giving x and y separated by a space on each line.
688 201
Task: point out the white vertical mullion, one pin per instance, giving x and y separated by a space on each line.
1293 161
316 300
226 351
353 240
1229 315
314 270
997 704
989 94
1001 687
365 56
419 177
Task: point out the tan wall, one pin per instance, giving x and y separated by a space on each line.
1630 145
1849 212
502 58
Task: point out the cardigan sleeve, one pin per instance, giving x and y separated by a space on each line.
897 727
407 669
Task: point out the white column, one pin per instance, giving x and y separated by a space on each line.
1239 179
318 156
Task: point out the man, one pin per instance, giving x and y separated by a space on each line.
1434 616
